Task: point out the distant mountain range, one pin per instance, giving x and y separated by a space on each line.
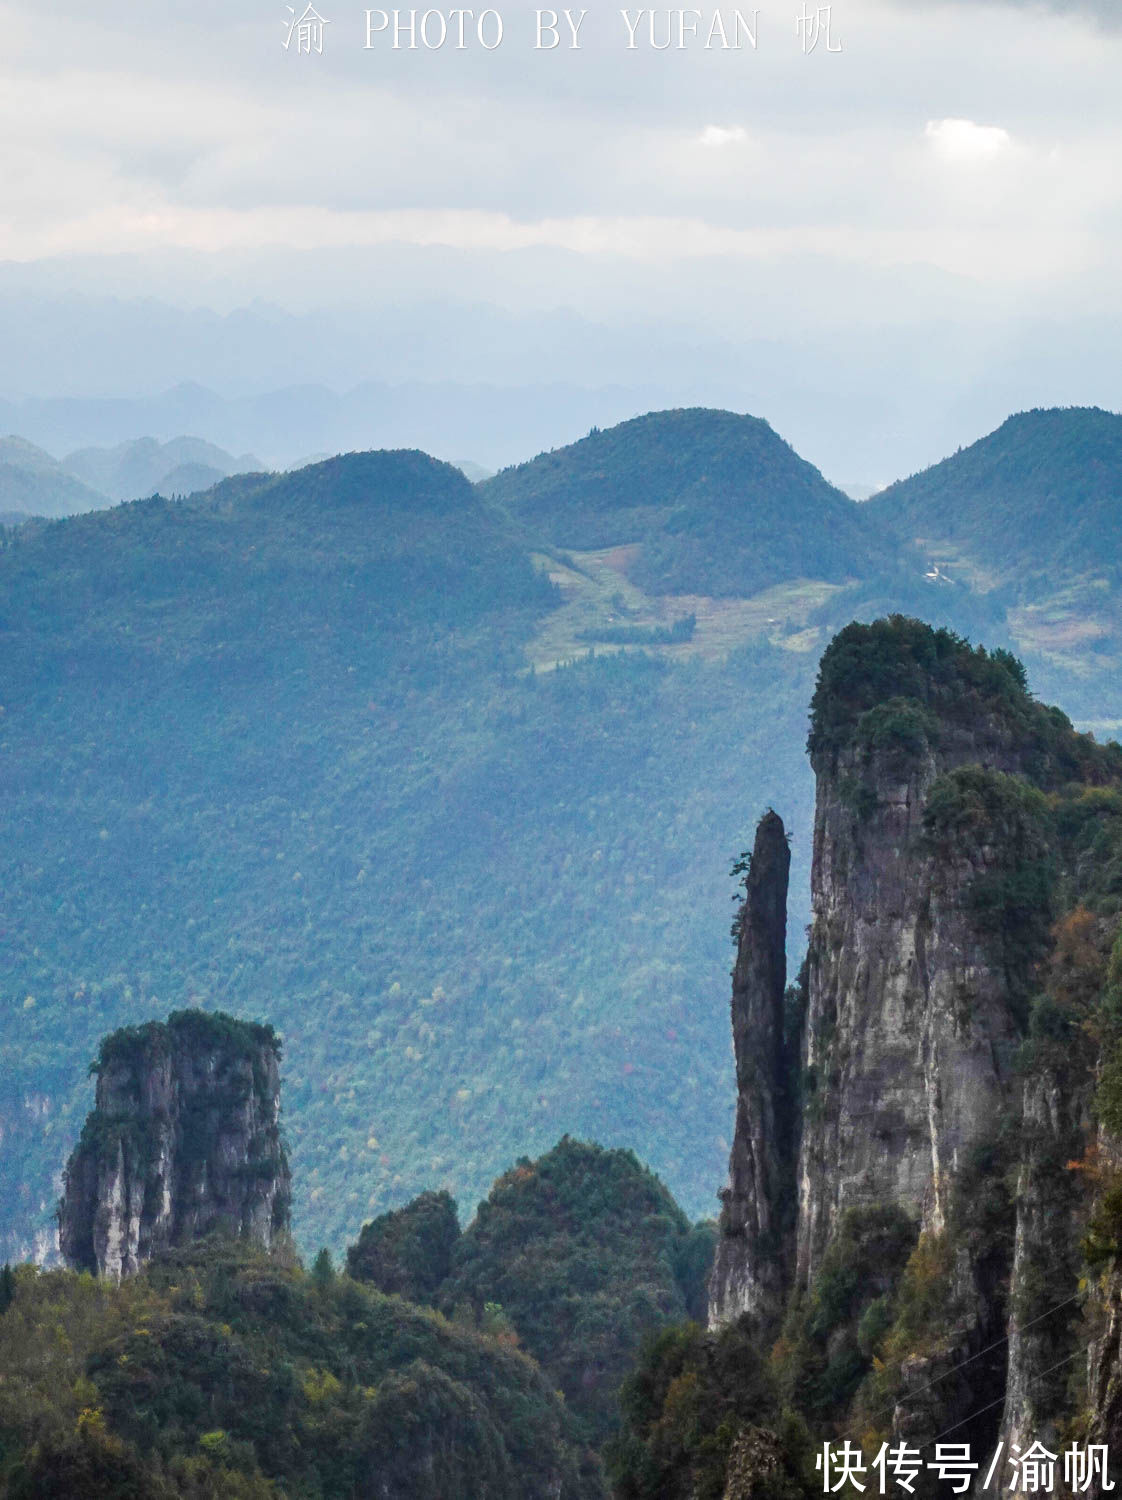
487 423
147 467
33 483
446 780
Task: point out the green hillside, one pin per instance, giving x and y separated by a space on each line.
582 1254
221 1373
1031 517
588 1255
356 749
717 504
281 753
1039 498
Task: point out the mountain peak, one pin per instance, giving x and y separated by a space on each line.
1039 494
397 479
718 502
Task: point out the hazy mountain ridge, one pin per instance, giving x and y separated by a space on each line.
34 483
147 467
489 421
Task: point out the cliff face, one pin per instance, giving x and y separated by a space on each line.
912 1020
183 1141
1044 1333
914 1219
750 1271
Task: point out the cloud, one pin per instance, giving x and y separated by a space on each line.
723 135
963 141
1104 13
118 135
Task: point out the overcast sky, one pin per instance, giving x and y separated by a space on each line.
951 173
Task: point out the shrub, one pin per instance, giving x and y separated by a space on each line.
901 727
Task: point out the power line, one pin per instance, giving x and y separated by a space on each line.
1001 1399
987 1350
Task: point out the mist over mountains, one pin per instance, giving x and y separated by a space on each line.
32 483
473 354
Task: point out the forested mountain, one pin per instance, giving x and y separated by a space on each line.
222 1373
582 1254
719 504
1029 520
1040 499
450 798
280 751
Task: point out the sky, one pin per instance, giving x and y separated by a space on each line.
883 244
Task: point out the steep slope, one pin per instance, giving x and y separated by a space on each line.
751 1273
1039 499
718 503
928 758
33 483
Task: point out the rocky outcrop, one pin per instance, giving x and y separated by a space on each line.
927 1110
183 1141
914 1014
750 1269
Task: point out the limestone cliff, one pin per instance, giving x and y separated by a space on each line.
917 1223
757 1213
917 990
183 1141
